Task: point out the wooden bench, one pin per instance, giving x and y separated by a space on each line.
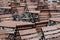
51 32
29 34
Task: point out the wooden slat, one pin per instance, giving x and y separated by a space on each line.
51 36
7 19
35 39
54 19
5 7
3 34
51 32
28 31
5 15
32 6
14 23
34 11
55 13
43 16
49 28
28 36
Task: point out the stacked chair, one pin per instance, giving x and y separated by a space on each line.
29 34
54 15
50 33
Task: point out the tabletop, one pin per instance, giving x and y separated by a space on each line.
13 24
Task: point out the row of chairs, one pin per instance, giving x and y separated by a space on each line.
48 33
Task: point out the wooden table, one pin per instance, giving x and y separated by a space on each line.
55 19
14 24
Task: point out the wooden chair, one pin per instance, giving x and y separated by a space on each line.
6 17
29 34
55 14
44 15
50 33
3 34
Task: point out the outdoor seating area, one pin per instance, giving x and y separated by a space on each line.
29 19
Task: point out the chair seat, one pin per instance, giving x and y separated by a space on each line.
24 32
46 33
51 32
29 36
